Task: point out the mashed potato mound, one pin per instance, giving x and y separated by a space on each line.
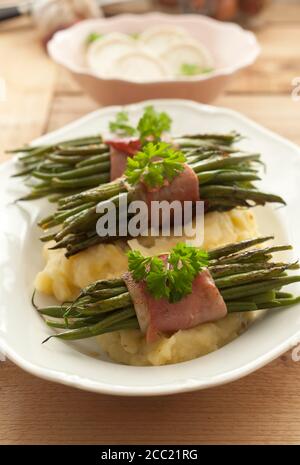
63 279
130 346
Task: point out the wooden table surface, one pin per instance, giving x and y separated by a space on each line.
261 408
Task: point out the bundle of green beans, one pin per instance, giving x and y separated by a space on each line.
70 166
56 170
248 280
225 181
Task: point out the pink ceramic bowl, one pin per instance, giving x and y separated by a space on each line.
231 47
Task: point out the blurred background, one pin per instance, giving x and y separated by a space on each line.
37 96
244 11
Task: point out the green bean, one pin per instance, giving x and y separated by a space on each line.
109 293
249 255
81 182
210 177
229 138
49 167
236 247
104 157
247 290
22 173
82 151
108 305
93 240
65 160
25 149
222 204
283 295
252 276
220 271
223 162
70 239
37 152
279 303
107 323
235 192
48 237
96 194
58 311
263 297
80 323
78 222
182 142
102 284
54 198
36 194
131 323
76 173
87 140
54 220
240 306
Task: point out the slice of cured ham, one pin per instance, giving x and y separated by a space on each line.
155 316
185 186
120 150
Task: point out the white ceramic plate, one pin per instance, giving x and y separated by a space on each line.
81 364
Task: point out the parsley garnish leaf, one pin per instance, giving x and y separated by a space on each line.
150 126
121 125
172 280
157 279
155 164
92 37
193 69
138 264
153 124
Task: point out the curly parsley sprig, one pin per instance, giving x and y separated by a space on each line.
150 126
172 279
153 124
155 164
121 125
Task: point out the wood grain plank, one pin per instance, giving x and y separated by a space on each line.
277 65
277 112
29 78
263 408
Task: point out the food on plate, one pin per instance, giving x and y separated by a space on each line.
223 181
185 289
156 166
153 299
73 166
64 277
158 53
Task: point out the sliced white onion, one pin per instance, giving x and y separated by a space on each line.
190 53
139 66
159 38
102 53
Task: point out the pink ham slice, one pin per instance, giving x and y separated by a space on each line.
155 316
183 187
120 150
